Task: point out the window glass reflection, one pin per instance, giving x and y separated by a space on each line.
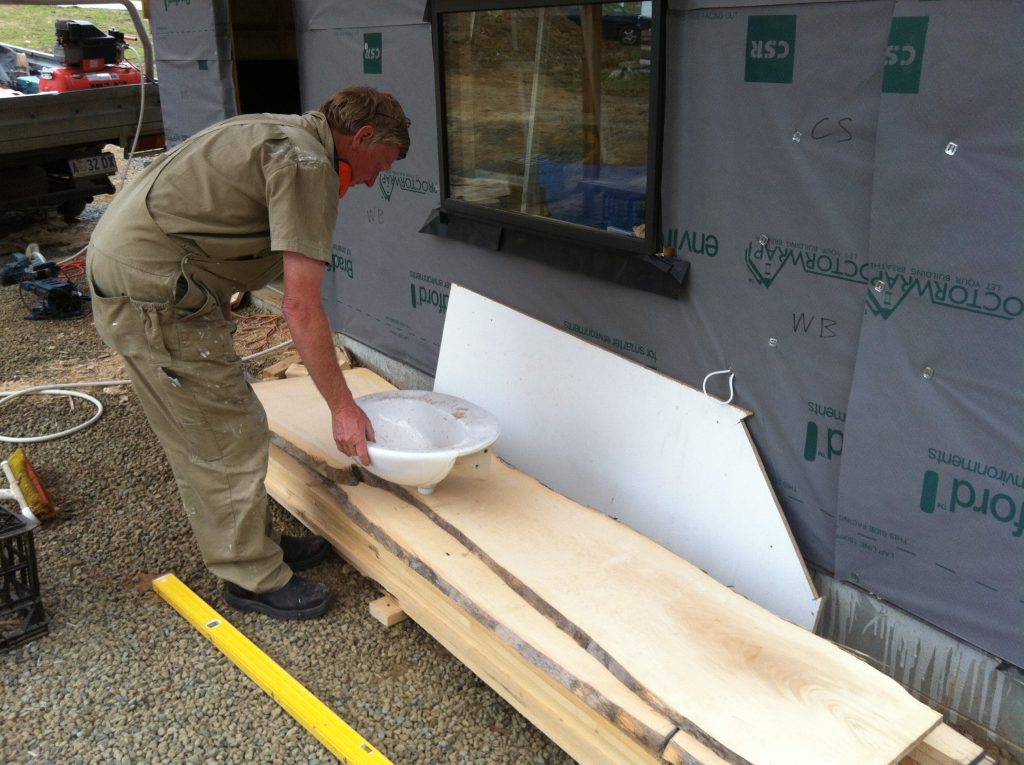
547 111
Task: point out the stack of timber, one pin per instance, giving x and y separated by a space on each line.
291 365
619 650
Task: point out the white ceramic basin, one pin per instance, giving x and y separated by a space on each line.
420 433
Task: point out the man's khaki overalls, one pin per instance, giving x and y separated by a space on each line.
200 224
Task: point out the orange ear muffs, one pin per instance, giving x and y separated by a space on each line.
344 177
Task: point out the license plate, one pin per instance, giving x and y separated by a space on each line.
101 164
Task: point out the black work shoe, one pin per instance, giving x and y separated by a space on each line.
299 599
301 553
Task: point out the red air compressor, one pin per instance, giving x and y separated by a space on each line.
91 59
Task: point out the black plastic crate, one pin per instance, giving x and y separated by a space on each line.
22 617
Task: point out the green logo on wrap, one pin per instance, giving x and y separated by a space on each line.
973 495
827 445
771 48
389 181
431 292
373 47
341 261
890 289
824 440
889 284
693 242
904 54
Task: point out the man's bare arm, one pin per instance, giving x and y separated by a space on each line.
311 331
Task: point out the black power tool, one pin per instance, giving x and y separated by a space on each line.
58 298
23 266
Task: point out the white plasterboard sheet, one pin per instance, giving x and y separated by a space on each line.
658 455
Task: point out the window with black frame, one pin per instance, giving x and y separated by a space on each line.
549 120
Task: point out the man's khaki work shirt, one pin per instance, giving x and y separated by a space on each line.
223 207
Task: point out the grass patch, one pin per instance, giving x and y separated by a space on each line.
31 26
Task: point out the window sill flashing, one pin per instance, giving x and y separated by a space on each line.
625 265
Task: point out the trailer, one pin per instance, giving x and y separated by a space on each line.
60 111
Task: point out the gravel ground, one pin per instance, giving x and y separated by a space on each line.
121 678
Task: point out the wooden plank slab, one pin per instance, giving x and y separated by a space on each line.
721 667
748 685
945 746
682 749
559 687
611 434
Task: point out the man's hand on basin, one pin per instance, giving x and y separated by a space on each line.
352 429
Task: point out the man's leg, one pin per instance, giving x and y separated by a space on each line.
214 433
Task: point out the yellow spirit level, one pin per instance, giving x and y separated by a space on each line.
313 714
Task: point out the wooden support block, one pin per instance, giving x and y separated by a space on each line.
946 746
298 369
344 360
277 369
387 611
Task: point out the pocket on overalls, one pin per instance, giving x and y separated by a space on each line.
208 386
133 328
218 412
226 277
200 331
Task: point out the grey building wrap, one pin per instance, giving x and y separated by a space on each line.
851 208
852 214
192 43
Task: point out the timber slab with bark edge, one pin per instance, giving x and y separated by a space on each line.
598 671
